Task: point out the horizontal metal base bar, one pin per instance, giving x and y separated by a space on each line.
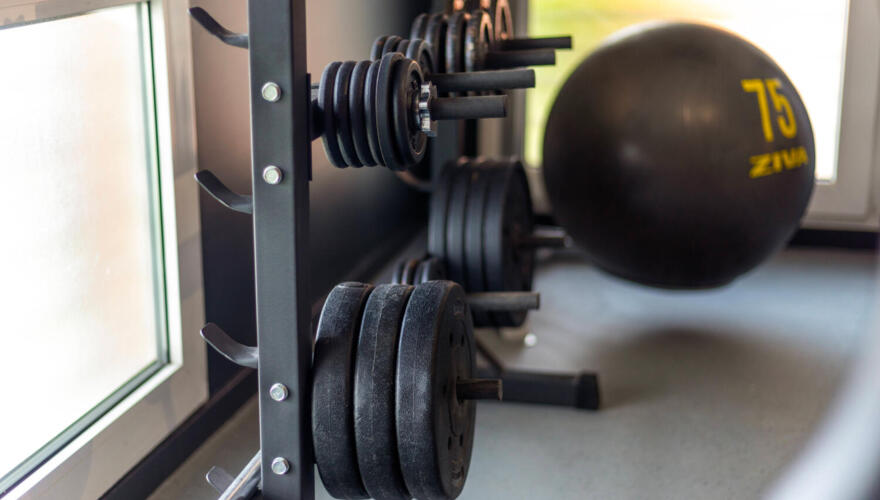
579 390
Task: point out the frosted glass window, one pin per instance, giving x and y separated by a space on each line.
806 38
82 294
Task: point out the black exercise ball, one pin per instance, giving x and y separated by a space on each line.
679 156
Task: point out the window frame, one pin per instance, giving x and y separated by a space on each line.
103 453
852 201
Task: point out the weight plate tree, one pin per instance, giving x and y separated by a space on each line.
393 391
391 374
679 156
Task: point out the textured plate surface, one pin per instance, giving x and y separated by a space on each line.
407 81
455 33
435 34
435 430
374 395
341 108
325 103
357 112
384 112
478 38
430 269
455 225
333 391
481 178
370 103
509 266
438 212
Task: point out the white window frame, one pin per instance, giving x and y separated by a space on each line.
101 455
852 201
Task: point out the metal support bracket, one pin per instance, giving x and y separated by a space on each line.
212 185
211 25
229 348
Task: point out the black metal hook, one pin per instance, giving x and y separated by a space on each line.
239 202
229 348
213 27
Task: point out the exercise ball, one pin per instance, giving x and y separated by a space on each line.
678 155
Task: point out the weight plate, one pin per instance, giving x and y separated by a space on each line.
435 35
478 38
455 42
420 51
509 267
370 102
399 270
391 44
410 141
402 46
455 222
439 212
502 19
332 390
418 26
430 269
480 179
325 102
356 104
384 116
435 430
378 46
409 271
374 395
343 118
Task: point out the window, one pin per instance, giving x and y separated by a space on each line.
101 260
816 43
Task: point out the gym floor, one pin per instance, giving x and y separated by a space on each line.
705 394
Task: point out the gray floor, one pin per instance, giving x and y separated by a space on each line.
706 394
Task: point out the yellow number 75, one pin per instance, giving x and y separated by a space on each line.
786 123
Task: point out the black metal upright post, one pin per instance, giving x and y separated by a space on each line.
281 171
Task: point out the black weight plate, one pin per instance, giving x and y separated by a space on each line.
439 211
325 102
455 226
435 430
410 141
435 35
409 272
418 26
333 391
384 111
430 269
509 267
478 38
356 103
420 51
377 48
399 270
481 178
343 117
502 19
455 33
374 395
391 44
402 46
370 103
